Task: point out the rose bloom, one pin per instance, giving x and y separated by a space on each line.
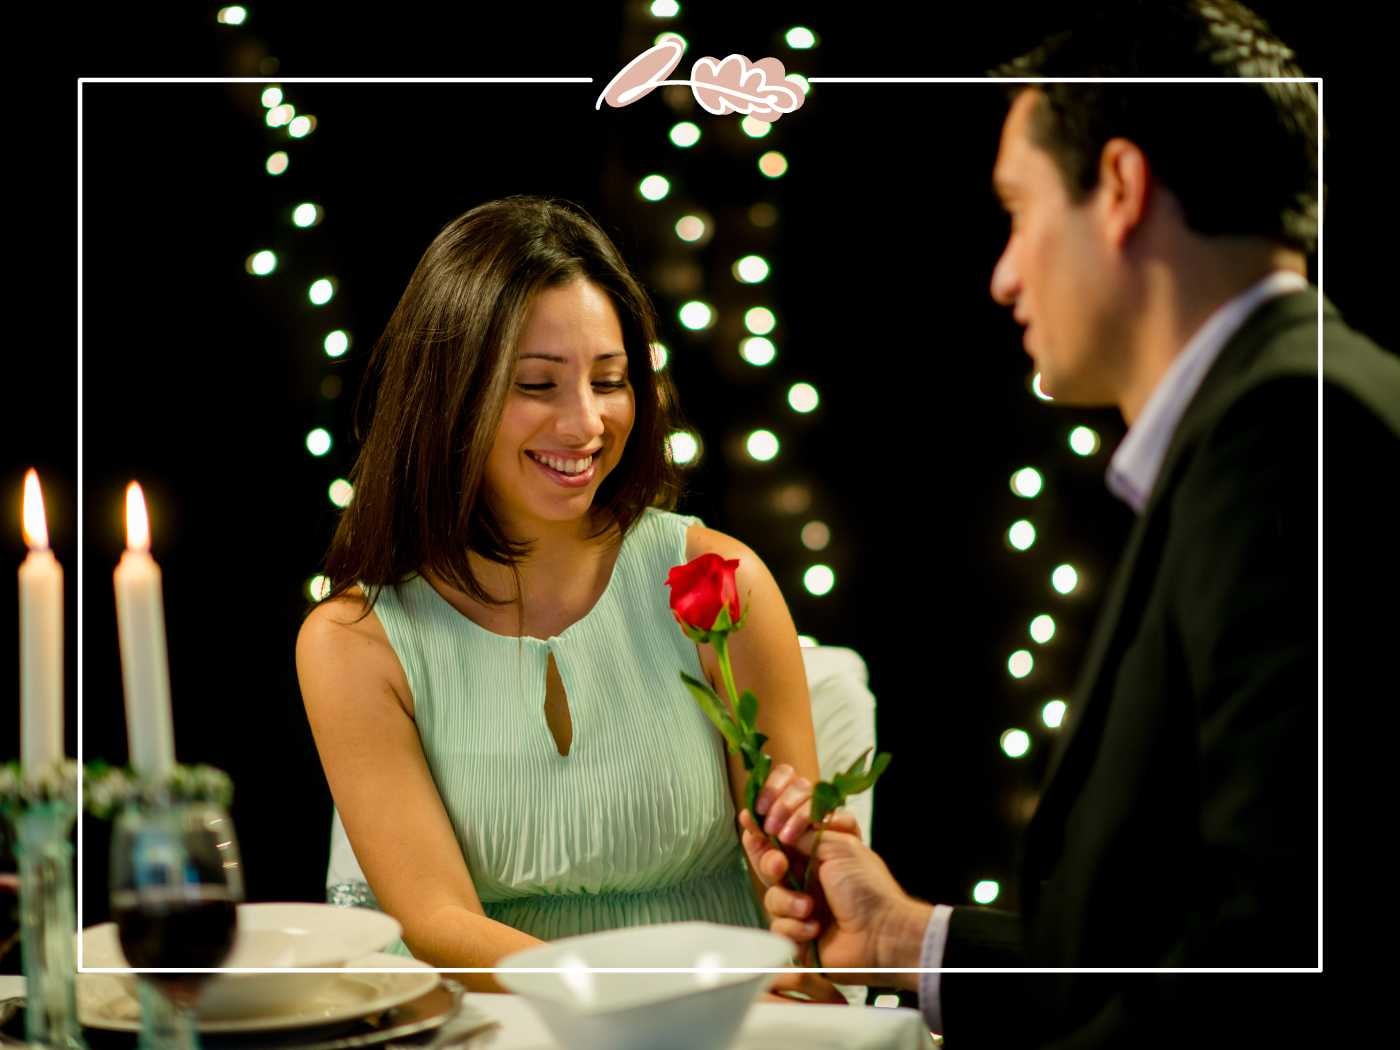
701 588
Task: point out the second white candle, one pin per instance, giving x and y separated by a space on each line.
145 665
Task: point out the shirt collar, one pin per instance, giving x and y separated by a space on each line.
1133 470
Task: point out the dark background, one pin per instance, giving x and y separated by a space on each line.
202 381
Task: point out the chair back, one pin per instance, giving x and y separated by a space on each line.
843 715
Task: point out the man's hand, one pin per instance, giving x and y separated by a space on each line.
873 921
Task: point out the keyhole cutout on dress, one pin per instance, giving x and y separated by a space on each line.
556 709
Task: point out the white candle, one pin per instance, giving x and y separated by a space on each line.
40 639
141 627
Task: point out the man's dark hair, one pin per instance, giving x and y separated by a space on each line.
1241 159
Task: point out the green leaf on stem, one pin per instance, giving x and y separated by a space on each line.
829 796
748 711
855 783
752 749
826 798
715 711
758 776
761 769
859 763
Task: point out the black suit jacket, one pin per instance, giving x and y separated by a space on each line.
1178 823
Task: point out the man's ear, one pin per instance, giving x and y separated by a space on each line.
1124 179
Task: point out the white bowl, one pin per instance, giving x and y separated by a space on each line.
269 936
636 1011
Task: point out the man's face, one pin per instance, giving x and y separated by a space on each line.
1056 270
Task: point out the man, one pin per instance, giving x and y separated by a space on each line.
1157 259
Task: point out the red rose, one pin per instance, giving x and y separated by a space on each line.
701 588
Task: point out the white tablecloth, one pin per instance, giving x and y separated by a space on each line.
770 1026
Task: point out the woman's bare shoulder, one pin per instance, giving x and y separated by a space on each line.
343 641
702 540
336 621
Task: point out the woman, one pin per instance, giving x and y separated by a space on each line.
493 683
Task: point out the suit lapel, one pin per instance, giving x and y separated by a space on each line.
1121 606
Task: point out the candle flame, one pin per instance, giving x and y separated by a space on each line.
36 529
138 529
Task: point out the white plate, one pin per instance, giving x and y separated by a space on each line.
104 1003
269 935
322 934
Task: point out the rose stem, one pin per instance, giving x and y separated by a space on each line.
721 644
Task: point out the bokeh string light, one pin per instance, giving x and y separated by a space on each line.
679 168
286 126
1065 582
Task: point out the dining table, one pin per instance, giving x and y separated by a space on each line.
498 1021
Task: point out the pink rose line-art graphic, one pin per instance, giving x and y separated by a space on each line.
761 89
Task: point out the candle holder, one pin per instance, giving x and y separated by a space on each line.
41 809
46 924
109 790
40 806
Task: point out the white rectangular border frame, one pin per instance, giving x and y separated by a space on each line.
814 80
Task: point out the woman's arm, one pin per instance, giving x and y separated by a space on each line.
361 712
767 659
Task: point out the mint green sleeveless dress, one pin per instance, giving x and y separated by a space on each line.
636 824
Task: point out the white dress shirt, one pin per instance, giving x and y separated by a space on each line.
1132 472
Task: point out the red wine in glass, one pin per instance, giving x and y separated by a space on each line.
176 881
193 926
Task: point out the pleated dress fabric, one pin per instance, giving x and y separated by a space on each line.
636 824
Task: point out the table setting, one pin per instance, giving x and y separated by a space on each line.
579 993
187 963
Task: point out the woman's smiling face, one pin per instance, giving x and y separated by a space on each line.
568 413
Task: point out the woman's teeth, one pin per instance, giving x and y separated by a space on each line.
564 466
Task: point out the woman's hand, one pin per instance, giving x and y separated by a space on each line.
785 803
808 988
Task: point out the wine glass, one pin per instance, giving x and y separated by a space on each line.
176 884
